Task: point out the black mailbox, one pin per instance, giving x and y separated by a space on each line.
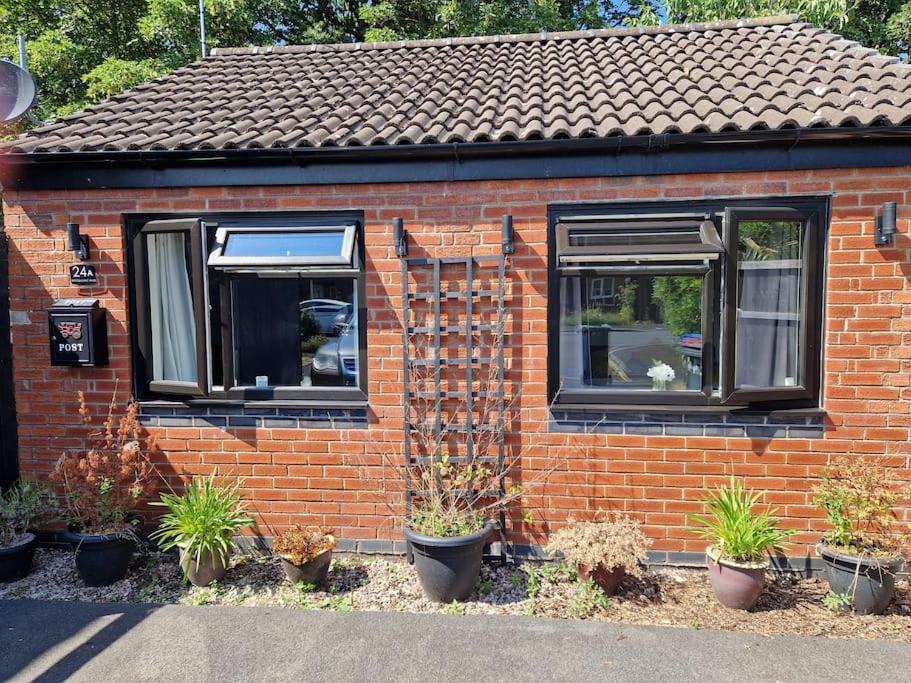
79 332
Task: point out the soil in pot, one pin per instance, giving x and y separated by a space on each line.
447 568
315 571
870 581
101 559
16 559
608 579
736 585
210 567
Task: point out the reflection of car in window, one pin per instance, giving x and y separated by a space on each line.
325 313
335 362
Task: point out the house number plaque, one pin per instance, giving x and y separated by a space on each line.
83 274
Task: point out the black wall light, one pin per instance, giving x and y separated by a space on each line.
76 242
885 224
506 237
399 237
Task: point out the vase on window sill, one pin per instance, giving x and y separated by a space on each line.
659 385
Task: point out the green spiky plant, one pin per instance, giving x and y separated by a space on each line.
203 520
739 532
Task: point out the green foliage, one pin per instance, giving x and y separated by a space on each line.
679 298
202 520
115 75
21 506
485 587
629 295
837 602
738 532
859 497
833 14
595 317
312 344
447 509
588 599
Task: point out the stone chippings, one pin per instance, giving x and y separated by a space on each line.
663 596
749 75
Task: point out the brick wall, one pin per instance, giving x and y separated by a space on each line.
310 468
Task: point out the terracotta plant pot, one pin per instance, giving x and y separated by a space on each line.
16 559
736 585
870 581
448 568
210 567
608 579
101 559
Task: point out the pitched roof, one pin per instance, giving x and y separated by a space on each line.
774 73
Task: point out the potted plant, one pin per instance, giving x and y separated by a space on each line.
305 553
741 537
22 505
448 527
605 551
864 549
201 523
102 483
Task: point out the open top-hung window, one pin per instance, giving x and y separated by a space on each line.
699 305
268 311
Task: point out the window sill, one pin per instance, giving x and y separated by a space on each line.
253 404
819 413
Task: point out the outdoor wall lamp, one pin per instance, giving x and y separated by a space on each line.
76 242
885 224
506 237
399 237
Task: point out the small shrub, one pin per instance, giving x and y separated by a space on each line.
738 532
837 602
21 506
298 545
202 520
588 599
616 542
103 482
859 498
312 344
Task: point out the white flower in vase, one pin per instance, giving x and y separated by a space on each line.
661 374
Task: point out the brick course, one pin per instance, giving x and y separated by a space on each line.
301 468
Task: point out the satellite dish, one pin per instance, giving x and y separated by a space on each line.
17 91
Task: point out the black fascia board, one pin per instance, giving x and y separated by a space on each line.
798 149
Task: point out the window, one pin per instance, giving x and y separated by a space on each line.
249 307
706 305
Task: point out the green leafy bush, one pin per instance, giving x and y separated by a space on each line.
203 520
738 532
679 299
20 507
859 498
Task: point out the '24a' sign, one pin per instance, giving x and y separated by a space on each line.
83 274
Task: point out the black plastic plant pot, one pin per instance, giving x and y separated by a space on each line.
16 559
448 568
870 581
101 559
315 571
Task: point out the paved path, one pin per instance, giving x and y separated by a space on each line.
97 642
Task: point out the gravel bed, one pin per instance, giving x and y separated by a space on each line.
669 597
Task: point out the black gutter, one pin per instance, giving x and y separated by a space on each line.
634 155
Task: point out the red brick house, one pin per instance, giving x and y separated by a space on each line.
700 272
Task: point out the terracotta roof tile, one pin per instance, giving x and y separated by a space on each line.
730 76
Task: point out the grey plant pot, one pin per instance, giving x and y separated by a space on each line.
16 559
448 568
870 581
101 559
210 567
315 571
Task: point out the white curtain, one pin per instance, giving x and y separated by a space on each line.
768 324
171 303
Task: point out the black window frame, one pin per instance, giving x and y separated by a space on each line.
140 340
717 387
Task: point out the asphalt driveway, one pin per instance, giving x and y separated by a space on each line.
98 642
